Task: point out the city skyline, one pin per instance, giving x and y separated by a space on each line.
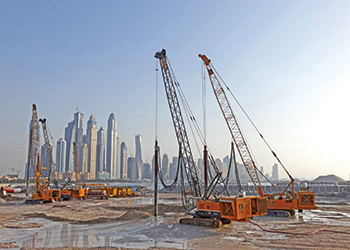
133 167
286 62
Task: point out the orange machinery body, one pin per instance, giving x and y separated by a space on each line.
78 193
233 209
96 192
47 195
303 200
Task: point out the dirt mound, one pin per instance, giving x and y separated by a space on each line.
23 225
6 245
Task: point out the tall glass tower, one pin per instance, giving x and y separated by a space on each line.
111 159
165 166
61 156
91 135
101 150
138 157
78 138
123 161
69 136
118 159
275 172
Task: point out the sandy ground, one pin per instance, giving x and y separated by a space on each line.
127 223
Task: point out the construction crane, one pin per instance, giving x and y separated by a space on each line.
48 148
209 213
42 193
179 124
285 205
34 145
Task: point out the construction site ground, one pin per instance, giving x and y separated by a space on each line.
128 223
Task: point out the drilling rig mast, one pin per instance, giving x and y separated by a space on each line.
285 205
48 148
34 146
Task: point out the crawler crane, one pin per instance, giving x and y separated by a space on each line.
42 193
210 213
278 205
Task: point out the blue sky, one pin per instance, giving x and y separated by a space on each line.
286 61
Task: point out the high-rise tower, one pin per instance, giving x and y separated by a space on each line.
123 161
118 159
61 156
275 172
101 150
69 137
91 136
138 157
165 166
111 159
78 138
132 170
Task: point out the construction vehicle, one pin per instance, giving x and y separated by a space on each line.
210 213
96 193
77 192
42 193
280 204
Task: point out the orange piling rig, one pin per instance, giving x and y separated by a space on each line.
209 213
280 204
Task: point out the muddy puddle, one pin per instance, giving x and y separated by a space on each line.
61 234
142 201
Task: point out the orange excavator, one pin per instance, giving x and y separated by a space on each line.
278 204
210 213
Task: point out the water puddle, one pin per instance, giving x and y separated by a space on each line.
142 201
121 234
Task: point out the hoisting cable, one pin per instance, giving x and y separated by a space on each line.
250 120
173 185
284 232
190 117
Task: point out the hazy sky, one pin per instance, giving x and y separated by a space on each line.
288 63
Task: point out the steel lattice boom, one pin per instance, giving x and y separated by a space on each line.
234 129
179 125
48 147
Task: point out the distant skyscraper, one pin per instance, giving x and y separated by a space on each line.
123 161
165 166
232 169
111 159
101 150
85 158
69 137
218 163
261 177
275 172
200 168
138 156
118 159
132 168
148 171
44 162
61 156
173 167
91 136
78 138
